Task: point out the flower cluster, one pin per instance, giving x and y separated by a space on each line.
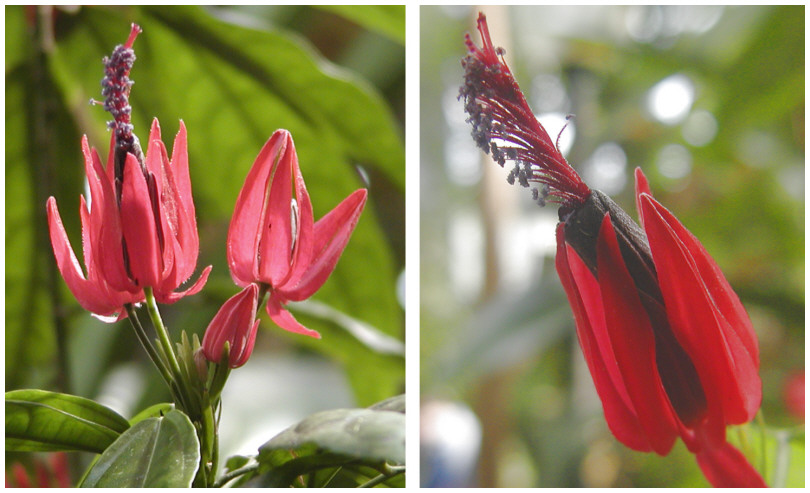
273 243
139 228
670 347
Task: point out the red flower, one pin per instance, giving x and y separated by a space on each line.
670 347
272 239
49 473
149 238
140 228
235 323
793 395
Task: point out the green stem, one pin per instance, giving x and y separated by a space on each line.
147 345
390 473
168 350
760 417
249 467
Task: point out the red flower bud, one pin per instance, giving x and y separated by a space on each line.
236 324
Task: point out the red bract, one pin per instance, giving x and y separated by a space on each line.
272 238
670 347
148 238
236 324
680 363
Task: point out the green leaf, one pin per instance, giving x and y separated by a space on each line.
388 20
361 439
37 420
155 453
154 411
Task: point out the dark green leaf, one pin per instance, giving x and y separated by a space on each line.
155 453
335 438
37 420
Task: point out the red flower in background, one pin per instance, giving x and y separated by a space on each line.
50 473
670 347
793 393
272 239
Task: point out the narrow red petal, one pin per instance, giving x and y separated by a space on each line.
725 366
642 186
633 342
105 225
152 149
92 296
285 319
583 295
331 234
248 219
727 467
276 247
168 295
139 228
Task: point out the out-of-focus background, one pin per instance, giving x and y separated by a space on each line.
709 102
333 76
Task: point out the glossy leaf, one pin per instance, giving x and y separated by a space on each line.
340 447
37 420
155 453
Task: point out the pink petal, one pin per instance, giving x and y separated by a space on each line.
285 320
90 295
276 245
169 295
139 228
179 165
248 221
331 234
178 182
633 342
585 300
725 364
105 225
727 467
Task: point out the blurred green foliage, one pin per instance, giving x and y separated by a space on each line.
233 75
511 354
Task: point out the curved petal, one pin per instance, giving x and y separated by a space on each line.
727 467
169 295
584 297
105 224
633 342
642 186
331 234
91 295
277 241
723 361
139 228
285 320
248 220
178 223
